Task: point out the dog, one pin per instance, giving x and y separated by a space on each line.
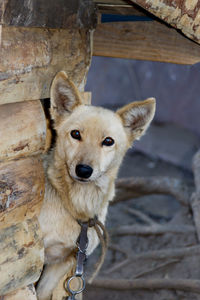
80 172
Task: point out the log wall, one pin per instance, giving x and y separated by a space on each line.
34 45
22 136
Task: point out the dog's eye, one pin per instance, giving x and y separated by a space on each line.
76 134
108 141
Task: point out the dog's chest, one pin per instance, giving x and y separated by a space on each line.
61 230
61 237
87 200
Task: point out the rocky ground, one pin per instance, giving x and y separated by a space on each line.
153 256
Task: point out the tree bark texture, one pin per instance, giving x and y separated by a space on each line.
22 129
22 255
21 190
181 14
30 58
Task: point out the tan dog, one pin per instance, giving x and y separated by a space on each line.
81 171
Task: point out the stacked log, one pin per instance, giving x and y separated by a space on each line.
23 137
34 46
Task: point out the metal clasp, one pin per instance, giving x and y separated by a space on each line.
72 291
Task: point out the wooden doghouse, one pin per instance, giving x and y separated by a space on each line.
38 38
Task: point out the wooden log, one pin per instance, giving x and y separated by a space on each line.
26 293
22 129
183 15
21 190
43 13
30 58
149 40
22 255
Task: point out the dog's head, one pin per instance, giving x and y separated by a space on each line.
91 141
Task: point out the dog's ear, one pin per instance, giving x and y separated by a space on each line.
136 117
64 96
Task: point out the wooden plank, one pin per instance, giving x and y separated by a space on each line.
22 255
146 41
122 10
43 13
183 15
30 58
26 293
22 129
21 190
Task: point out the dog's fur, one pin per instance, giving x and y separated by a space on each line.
68 197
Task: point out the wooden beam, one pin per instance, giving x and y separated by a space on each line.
21 190
183 15
146 41
30 58
22 129
132 10
22 255
48 14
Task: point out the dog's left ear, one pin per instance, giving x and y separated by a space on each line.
137 116
64 96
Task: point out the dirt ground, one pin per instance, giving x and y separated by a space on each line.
160 209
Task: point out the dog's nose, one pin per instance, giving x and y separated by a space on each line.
83 171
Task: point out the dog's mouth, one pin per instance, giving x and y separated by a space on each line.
81 180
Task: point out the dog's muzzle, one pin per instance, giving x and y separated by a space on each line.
83 171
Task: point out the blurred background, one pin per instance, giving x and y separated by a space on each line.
166 151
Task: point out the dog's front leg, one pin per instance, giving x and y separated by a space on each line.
51 276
